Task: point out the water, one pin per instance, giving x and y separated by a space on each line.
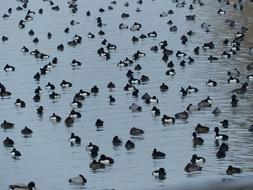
47 157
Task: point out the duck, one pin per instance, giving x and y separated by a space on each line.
99 123
27 132
95 165
136 131
25 49
197 140
191 108
105 159
219 136
116 141
167 119
36 97
180 54
221 12
224 123
152 100
91 147
83 93
76 104
190 167
170 72
55 118
7 125
8 68
75 114
250 77
75 63
38 90
197 160
135 108
232 79
209 45
111 99
216 111
212 58
205 103
241 90
201 129
94 89
8 142
160 173
20 186
164 87
157 154
129 145
155 111
191 89
233 170
40 110
78 180
74 140
54 95
69 121
20 103
234 101
182 115
183 92
211 83
78 97
50 86
60 47
15 153
144 79
65 84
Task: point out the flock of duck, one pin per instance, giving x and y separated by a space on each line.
101 161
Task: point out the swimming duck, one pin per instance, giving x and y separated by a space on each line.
83 93
7 125
190 167
211 83
170 72
65 84
111 99
105 159
99 123
233 170
234 101
129 145
157 154
69 121
191 108
216 111
110 85
201 129
40 110
182 115
94 165
50 86
74 139
167 119
135 107
212 58
155 111
76 104
197 140
144 79
242 89
220 136
55 118
164 87
183 92
8 142
20 103
15 153
205 103
152 100
54 95
27 132
78 97
74 114
159 173
224 123
191 89
8 68
91 147
197 160
232 79
78 180
75 63
136 131
116 141
20 186
94 89
36 97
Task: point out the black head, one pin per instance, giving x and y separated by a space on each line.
216 129
31 185
194 134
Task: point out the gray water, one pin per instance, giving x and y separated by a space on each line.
47 157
